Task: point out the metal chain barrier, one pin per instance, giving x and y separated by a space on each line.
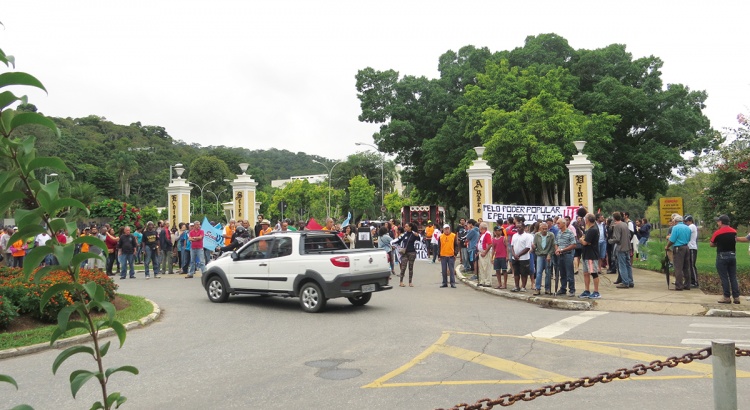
550 390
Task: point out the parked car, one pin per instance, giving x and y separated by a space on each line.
312 265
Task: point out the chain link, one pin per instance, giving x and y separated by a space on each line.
741 353
550 390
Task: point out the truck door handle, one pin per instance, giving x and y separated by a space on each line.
263 264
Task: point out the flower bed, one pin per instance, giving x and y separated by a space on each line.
21 297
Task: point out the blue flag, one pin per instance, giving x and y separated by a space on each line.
346 221
212 236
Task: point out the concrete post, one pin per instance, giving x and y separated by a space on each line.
725 374
178 199
580 170
480 185
243 195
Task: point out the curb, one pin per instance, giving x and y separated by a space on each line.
548 302
727 313
142 322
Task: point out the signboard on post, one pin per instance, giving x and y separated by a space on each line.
669 206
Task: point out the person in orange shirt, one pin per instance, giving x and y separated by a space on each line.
229 232
18 251
265 229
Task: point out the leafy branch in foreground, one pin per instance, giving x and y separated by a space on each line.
37 208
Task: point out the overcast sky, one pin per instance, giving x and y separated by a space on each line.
280 74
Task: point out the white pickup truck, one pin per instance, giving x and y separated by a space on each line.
312 265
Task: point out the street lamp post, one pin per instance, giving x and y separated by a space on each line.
216 195
328 211
48 175
202 188
382 173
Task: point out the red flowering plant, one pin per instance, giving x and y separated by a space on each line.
26 293
117 212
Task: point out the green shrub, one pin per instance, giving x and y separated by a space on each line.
8 312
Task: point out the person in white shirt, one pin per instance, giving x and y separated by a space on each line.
693 249
41 240
435 243
520 246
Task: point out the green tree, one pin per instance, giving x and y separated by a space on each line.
361 195
125 167
728 188
207 168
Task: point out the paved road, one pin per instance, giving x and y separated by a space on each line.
410 348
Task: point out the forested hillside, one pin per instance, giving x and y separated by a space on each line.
131 162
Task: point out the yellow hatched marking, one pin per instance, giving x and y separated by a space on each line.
503 365
531 375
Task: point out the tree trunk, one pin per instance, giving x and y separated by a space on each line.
545 194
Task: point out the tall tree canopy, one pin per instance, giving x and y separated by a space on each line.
528 105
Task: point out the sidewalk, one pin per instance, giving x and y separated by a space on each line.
650 295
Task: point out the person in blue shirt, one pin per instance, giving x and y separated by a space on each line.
678 241
472 237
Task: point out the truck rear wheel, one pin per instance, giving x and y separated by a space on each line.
360 300
311 298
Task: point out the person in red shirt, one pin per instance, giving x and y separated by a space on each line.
500 257
195 239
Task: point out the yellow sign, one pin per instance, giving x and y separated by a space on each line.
478 195
580 191
669 206
173 209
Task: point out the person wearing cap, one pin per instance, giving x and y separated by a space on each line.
239 238
724 240
692 249
448 250
265 227
678 241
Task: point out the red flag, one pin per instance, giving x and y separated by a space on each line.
313 225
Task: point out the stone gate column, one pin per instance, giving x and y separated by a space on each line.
243 196
480 185
580 170
178 199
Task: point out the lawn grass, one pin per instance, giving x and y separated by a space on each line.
705 265
138 308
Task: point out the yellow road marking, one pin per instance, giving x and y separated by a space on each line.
595 347
503 365
531 375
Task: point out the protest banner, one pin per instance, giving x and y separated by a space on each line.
213 236
531 213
